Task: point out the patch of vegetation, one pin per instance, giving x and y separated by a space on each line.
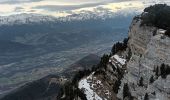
146 97
70 90
129 55
151 80
157 71
119 46
168 32
117 85
157 15
104 61
163 71
126 92
141 81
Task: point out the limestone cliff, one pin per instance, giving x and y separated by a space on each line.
150 47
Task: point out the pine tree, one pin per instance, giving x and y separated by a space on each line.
146 97
168 32
163 71
157 71
141 81
151 79
116 86
126 92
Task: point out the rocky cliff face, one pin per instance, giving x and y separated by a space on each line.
149 43
150 47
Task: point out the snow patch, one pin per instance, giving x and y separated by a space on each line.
117 60
121 60
90 94
161 31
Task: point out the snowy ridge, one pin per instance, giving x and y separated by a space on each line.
25 18
83 15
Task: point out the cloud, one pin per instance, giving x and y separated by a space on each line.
67 7
17 1
19 9
57 7
64 7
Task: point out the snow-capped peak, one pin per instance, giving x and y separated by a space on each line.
82 15
24 18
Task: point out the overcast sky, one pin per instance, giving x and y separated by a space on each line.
62 7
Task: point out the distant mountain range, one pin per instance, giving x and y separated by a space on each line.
99 13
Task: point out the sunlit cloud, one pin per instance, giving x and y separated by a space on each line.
124 5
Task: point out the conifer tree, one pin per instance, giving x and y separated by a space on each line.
146 97
141 81
126 92
151 79
157 71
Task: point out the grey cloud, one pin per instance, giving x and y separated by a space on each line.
73 7
18 1
67 7
32 11
19 9
83 1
